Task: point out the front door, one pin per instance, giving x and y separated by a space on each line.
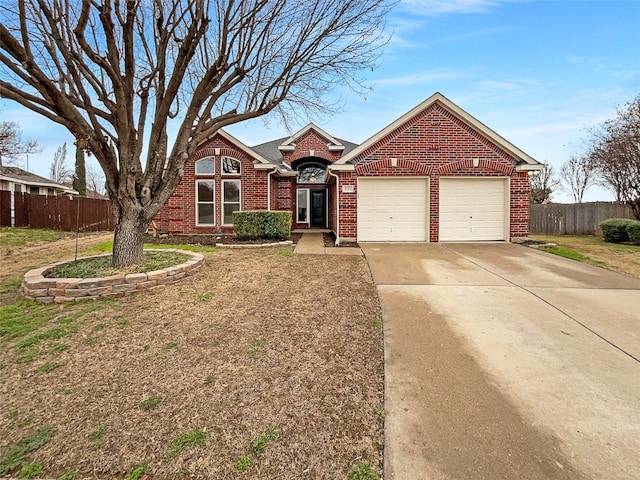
318 209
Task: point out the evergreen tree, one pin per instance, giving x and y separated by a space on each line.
80 178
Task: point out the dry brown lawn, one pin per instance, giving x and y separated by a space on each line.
256 339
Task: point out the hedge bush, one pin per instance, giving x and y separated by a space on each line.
633 230
253 224
614 230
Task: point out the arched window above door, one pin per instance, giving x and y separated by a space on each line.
312 173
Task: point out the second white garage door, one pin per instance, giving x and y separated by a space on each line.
473 209
392 209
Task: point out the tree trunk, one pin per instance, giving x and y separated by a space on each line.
128 238
635 207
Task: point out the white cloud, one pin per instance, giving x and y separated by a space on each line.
440 7
494 86
420 78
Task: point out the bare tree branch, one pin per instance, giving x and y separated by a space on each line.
12 147
615 150
125 73
59 170
576 175
544 184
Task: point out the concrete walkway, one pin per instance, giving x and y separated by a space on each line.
312 243
505 362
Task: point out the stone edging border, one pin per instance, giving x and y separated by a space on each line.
285 243
35 286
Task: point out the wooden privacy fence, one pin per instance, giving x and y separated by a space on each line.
55 212
574 218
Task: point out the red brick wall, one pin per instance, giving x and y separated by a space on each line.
179 213
520 194
348 206
284 194
311 141
434 143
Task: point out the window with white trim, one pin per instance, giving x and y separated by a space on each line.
230 200
230 166
205 203
303 205
206 166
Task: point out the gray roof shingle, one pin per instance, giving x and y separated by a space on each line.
269 150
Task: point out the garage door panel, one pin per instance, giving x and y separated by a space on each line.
392 209
472 209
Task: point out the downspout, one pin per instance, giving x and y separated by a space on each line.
337 205
275 169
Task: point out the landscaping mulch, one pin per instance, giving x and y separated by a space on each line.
212 239
258 340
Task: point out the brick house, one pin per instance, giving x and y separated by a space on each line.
434 174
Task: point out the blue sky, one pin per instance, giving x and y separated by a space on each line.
537 72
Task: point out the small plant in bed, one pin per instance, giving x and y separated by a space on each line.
96 267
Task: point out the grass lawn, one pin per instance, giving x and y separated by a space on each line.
590 249
16 237
263 365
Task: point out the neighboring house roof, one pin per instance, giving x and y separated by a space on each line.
18 175
96 195
90 193
272 150
523 161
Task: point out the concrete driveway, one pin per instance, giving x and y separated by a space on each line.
503 362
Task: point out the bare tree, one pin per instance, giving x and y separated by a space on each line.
59 171
543 184
616 153
12 148
95 180
121 70
578 174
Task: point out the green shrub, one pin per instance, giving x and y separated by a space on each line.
362 471
633 230
252 224
614 230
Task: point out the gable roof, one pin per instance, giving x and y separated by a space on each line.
241 146
273 152
523 161
18 175
291 141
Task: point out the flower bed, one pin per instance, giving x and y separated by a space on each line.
35 286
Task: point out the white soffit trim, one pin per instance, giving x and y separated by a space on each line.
456 110
528 168
342 168
264 166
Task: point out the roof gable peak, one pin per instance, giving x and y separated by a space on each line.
234 141
454 109
290 143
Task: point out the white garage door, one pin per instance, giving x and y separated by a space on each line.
392 209
473 209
